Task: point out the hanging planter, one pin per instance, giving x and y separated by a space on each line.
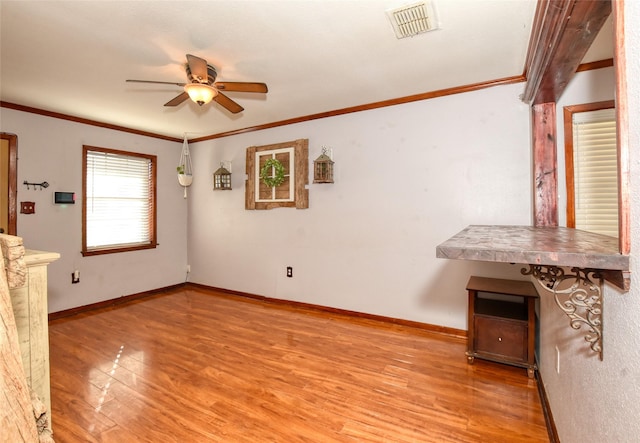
184 179
185 174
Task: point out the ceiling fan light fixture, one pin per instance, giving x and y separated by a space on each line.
200 93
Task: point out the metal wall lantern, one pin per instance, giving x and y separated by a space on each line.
222 179
323 168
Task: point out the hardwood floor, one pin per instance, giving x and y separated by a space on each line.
197 366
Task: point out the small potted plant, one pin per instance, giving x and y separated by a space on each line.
183 178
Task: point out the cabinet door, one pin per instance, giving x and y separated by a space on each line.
502 338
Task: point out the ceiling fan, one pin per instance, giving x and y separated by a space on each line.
202 86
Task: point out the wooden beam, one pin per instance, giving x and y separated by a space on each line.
622 118
563 32
545 196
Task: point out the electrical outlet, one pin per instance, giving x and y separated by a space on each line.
557 360
75 277
188 269
289 271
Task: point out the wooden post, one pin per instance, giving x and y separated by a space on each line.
545 196
622 127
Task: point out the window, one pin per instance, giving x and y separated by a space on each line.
285 191
592 168
118 204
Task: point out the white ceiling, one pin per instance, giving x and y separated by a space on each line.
73 57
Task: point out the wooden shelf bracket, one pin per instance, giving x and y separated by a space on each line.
578 294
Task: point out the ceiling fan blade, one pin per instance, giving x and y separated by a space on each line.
159 83
177 100
241 86
227 103
198 67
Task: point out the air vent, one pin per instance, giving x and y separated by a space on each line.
413 19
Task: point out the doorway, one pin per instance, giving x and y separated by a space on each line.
8 182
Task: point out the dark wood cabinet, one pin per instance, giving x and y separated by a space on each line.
502 321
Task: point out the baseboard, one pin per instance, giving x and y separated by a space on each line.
546 410
112 302
453 332
456 333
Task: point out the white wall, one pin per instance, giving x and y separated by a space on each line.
408 177
593 400
51 150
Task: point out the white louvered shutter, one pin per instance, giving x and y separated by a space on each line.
596 171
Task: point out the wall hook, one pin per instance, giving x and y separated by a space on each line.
42 185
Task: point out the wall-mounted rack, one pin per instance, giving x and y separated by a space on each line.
42 185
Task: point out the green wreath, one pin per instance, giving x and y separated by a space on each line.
278 173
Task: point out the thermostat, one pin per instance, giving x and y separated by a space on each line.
65 198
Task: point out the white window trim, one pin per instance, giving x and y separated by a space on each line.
291 175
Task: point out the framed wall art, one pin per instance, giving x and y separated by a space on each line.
277 176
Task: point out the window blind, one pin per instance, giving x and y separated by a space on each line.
118 200
596 171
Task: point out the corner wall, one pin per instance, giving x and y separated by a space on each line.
593 400
408 177
50 150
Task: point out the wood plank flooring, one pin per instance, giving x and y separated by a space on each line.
198 366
